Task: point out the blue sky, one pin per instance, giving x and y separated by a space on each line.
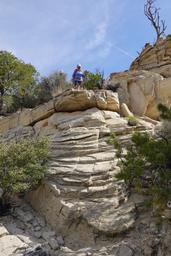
58 34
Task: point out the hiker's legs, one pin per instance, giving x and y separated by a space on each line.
75 85
79 85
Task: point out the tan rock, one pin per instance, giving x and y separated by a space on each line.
125 110
10 245
155 58
91 117
26 117
80 196
4 124
39 125
81 193
142 91
3 231
67 101
70 101
43 111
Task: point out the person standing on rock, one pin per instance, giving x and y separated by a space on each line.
77 77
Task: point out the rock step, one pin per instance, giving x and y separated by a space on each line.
88 159
82 170
86 183
109 190
80 180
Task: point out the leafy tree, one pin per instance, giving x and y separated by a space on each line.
22 165
13 102
146 167
93 80
15 76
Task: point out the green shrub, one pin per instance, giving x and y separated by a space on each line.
132 121
22 165
146 167
22 87
15 76
93 80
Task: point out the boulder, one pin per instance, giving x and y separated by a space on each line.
70 100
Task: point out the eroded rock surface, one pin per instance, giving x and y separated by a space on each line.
67 101
156 58
87 208
81 190
142 91
25 233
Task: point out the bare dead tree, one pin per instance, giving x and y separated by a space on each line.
152 13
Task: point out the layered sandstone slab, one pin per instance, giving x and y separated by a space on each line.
80 197
67 101
81 193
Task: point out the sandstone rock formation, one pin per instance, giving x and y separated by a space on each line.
81 184
156 58
148 82
80 198
68 101
142 91
89 211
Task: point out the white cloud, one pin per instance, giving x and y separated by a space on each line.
99 36
57 34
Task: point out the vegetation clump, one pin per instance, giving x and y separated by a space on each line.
22 165
146 167
15 77
22 87
132 121
93 80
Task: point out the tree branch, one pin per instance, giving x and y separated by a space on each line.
153 15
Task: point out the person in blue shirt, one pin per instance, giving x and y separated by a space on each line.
77 77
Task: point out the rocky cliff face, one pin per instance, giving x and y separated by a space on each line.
89 211
142 91
148 82
80 198
156 58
